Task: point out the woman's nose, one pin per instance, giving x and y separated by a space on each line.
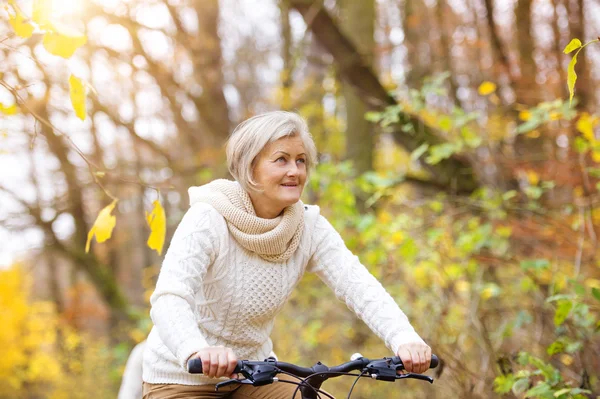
293 170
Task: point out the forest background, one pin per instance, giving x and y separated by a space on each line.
452 160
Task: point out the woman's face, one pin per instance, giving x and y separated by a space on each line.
280 171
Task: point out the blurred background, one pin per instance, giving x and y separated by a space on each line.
452 161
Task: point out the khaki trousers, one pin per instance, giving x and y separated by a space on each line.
278 390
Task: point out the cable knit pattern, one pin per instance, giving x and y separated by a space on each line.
214 291
273 239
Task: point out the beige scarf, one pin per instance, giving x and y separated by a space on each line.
275 240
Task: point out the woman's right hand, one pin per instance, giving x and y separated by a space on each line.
217 361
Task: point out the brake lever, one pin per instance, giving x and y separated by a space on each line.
416 377
229 382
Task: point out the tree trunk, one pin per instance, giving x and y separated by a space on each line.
527 89
205 48
498 51
357 22
446 50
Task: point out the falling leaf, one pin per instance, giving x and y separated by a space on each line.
41 13
158 227
573 45
487 88
77 90
103 226
19 22
572 77
10 110
63 41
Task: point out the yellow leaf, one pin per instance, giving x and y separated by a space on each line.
103 226
566 359
20 22
554 116
592 283
585 125
10 110
41 12
573 45
462 286
398 237
525 115
533 177
571 77
534 134
487 88
77 90
596 156
63 41
158 227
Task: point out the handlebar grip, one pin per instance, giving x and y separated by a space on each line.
435 361
195 366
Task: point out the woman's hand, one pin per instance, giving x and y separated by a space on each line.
217 361
416 356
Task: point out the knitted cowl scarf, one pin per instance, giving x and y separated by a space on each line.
274 240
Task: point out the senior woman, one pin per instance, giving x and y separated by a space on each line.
235 258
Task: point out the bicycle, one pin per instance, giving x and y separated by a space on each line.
259 373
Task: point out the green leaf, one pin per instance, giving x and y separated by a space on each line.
573 45
503 383
439 152
594 172
572 77
509 194
373 116
520 386
596 293
528 126
445 123
416 154
555 347
562 312
536 264
542 389
581 145
573 347
561 392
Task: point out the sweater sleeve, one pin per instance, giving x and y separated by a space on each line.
193 249
352 283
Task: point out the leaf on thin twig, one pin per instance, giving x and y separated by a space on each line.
103 226
158 227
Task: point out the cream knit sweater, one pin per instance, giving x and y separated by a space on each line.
212 291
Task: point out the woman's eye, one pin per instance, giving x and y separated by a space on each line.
280 159
301 160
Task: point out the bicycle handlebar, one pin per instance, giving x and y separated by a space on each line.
259 373
195 366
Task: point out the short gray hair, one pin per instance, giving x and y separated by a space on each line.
252 135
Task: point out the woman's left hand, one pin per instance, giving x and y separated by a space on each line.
416 356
